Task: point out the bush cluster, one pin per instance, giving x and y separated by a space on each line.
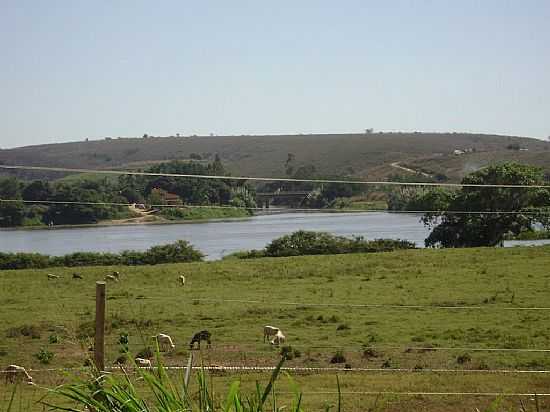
178 252
320 243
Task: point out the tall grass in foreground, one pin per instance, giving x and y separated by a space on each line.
160 393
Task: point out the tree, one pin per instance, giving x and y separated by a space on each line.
477 229
11 213
37 190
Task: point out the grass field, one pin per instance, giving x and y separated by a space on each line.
148 300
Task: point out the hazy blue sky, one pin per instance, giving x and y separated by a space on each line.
75 69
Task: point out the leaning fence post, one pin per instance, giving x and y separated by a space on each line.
188 370
99 341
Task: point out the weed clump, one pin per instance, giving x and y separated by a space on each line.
343 326
369 353
387 363
463 358
44 356
145 353
289 353
338 357
31 331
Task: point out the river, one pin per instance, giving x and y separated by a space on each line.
215 239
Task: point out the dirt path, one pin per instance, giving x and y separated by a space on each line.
144 216
406 169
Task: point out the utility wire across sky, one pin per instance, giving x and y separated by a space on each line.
269 179
279 210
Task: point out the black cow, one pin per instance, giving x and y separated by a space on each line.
200 336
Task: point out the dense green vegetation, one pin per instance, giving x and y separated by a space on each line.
203 213
19 213
451 229
159 392
466 230
148 300
126 189
180 251
302 243
529 235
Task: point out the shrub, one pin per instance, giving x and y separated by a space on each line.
463 358
123 341
338 357
370 353
25 330
44 356
321 243
86 330
145 353
54 339
180 251
23 261
289 353
343 326
121 360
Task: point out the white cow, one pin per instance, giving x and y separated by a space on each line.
143 363
16 373
164 341
270 331
111 277
182 280
52 276
278 339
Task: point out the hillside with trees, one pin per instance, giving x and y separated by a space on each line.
369 155
89 194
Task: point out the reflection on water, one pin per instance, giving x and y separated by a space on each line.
216 239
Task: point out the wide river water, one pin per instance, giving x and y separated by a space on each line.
216 239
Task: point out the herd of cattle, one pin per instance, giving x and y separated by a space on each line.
271 334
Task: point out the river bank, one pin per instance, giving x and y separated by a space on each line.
203 215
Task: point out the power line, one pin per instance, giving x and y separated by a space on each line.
279 210
268 179
312 370
374 305
375 393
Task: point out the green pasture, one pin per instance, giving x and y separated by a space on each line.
234 299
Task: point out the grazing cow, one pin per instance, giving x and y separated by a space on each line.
51 276
182 280
164 341
16 373
111 277
143 363
77 276
270 331
200 336
278 339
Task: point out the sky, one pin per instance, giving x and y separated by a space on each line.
75 69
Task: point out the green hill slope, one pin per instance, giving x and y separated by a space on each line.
365 155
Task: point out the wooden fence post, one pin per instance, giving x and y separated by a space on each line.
189 368
99 341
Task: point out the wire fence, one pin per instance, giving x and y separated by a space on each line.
272 209
347 305
270 179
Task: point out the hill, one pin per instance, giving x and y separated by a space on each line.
361 155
